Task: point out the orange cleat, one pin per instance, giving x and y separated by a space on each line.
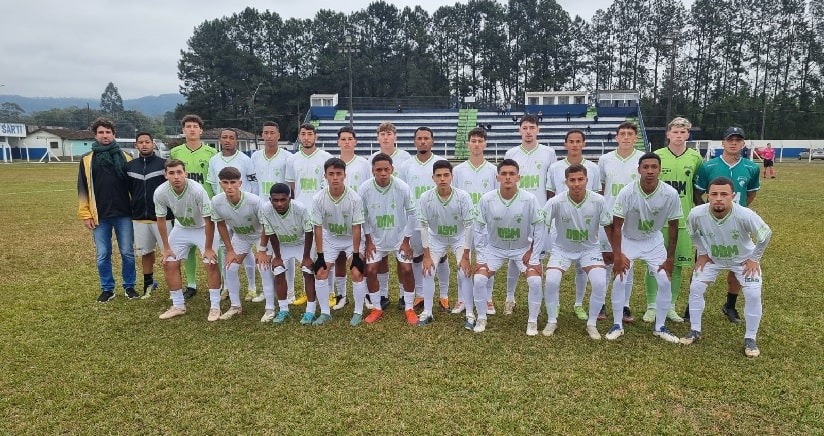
411 318
373 316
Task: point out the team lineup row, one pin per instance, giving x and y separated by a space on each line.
418 209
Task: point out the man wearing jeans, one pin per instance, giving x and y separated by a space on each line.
104 205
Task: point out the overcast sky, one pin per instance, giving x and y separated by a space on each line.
57 48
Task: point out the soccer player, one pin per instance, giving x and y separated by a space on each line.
337 216
679 168
304 174
104 206
476 176
288 225
192 209
510 228
237 211
744 174
387 136
723 233
768 154
445 215
417 173
574 142
389 221
145 173
619 168
195 156
645 206
576 215
534 160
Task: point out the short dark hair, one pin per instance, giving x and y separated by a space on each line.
479 132
272 124
229 129
723 181
308 126
191 118
649 155
347 129
139 134
380 157
575 168
229 173
508 162
441 164
336 163
528 118
573 131
425 129
171 163
280 188
627 125
102 122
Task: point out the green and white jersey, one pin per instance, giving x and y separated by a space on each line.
556 179
508 224
577 224
306 172
291 227
337 216
680 173
617 172
189 208
533 166
728 241
197 162
270 170
744 175
243 163
398 158
646 214
446 219
475 181
387 211
358 170
242 218
418 175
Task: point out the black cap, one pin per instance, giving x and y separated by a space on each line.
732 131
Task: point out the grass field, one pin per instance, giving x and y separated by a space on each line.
71 365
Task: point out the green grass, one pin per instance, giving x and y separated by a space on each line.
74 366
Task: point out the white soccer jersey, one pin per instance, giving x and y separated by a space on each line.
386 212
241 218
617 172
306 171
446 219
475 181
337 216
728 241
556 177
577 224
398 158
508 224
240 161
270 170
646 214
358 170
533 166
418 175
189 208
291 227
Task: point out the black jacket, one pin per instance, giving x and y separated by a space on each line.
145 175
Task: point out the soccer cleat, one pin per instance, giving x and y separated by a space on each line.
214 315
105 296
550 328
490 308
251 295
401 303
131 294
173 312
469 323
509 307
384 303
308 318
691 337
190 292
375 315
444 305
627 316
731 313
323 319
424 319
686 314
268 316
602 314
750 348
234 310
147 291
649 315
411 318
418 303
356 319
666 335
333 300
592 331
532 329
368 303
460 307
290 299
282 317
672 315
259 298
340 302
480 326
300 301
224 294
580 313
614 332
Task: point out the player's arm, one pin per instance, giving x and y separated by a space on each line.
262 258
751 197
428 264
672 234
308 236
620 262
209 254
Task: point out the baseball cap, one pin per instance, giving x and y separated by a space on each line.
731 131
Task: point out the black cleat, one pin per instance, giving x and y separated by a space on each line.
732 314
189 293
131 294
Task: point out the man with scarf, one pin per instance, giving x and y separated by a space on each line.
104 205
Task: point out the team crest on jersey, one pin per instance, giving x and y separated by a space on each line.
392 205
519 218
455 217
485 183
742 181
588 219
665 171
688 172
655 211
735 234
566 219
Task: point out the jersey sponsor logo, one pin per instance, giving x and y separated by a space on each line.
577 235
338 229
186 221
615 188
196 177
419 190
308 184
724 251
385 221
679 186
448 230
288 239
509 233
530 182
476 197
646 225
244 230
752 280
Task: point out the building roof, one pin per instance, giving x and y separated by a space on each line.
66 133
215 134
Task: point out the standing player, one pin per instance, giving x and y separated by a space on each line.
723 233
768 154
645 207
389 221
576 216
195 156
337 215
744 174
192 209
445 214
145 173
510 228
534 160
476 176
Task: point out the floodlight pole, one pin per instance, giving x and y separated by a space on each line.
348 46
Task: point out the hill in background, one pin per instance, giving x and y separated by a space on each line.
153 105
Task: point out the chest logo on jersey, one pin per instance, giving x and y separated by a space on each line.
448 230
724 251
307 184
577 235
385 221
530 182
509 234
646 225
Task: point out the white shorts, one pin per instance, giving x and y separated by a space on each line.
333 246
438 249
380 254
495 258
711 271
650 251
147 237
562 260
294 252
245 245
182 239
416 243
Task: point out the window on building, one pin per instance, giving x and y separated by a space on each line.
54 144
564 99
533 101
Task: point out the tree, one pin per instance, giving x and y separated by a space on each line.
11 113
111 103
